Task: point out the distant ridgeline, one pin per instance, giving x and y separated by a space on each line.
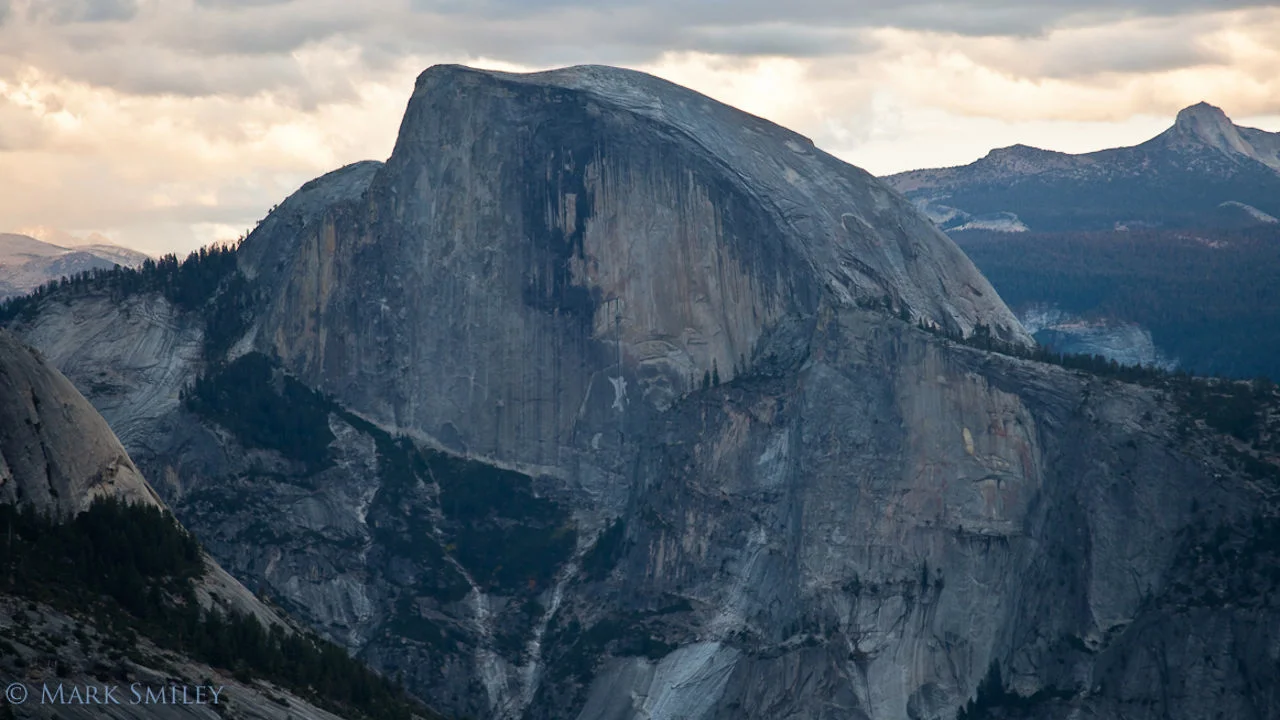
1210 298
207 281
1167 251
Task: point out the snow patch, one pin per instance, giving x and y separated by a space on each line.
1250 210
995 222
941 214
1127 343
619 392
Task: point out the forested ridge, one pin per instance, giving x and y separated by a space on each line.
1211 298
131 570
207 281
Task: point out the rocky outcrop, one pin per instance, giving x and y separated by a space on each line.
1204 125
57 455
271 262
130 357
56 452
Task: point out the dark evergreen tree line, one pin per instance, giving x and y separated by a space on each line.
508 537
133 569
992 697
1209 297
206 280
265 408
188 284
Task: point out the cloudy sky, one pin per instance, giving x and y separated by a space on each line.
167 124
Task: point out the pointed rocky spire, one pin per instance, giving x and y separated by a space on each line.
1202 115
1207 124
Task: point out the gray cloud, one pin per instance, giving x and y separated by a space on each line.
244 47
61 12
234 4
1133 48
190 148
777 39
1133 57
268 29
976 17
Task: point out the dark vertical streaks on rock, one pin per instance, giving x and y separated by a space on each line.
557 203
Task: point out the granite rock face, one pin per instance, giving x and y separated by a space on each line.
57 454
130 358
25 626
546 260
530 504
865 537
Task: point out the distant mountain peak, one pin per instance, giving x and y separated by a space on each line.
1023 151
1204 170
1019 148
1023 159
1201 114
27 262
1210 126
1012 151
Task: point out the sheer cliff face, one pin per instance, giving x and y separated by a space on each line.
861 539
531 232
50 432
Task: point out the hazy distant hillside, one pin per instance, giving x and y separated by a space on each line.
27 263
1204 171
1163 253
1210 299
